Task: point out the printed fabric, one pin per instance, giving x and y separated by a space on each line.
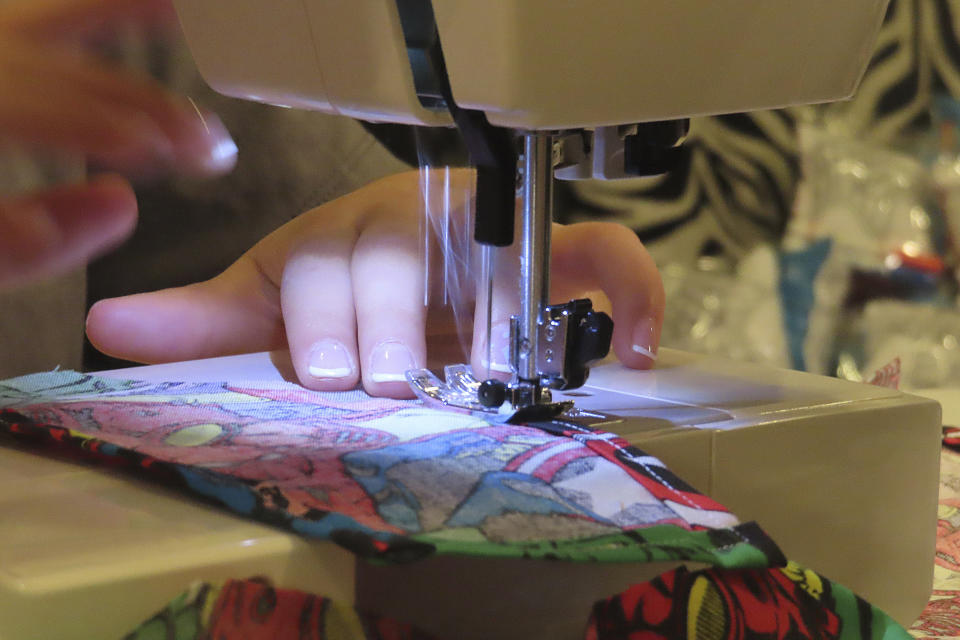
941 617
255 610
395 481
389 479
788 603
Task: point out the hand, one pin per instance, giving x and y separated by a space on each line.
55 96
342 286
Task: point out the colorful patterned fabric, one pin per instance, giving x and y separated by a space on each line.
396 481
788 603
791 603
951 440
254 610
385 478
941 618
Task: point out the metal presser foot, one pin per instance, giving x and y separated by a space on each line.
569 338
461 391
488 399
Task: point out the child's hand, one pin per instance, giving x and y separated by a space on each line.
55 96
342 285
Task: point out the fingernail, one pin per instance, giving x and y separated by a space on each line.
329 359
645 338
390 361
208 148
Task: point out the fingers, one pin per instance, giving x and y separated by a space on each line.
342 285
54 231
318 311
236 312
122 121
608 256
388 290
197 141
351 289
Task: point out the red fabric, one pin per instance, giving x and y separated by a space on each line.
254 610
763 603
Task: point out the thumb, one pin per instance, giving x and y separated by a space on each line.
236 312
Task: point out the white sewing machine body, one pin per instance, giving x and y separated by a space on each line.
844 476
537 64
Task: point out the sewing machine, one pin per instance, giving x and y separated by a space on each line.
542 90
538 89
843 475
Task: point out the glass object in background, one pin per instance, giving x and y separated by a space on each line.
877 204
734 314
925 338
868 226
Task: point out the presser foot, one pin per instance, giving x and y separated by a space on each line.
490 399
